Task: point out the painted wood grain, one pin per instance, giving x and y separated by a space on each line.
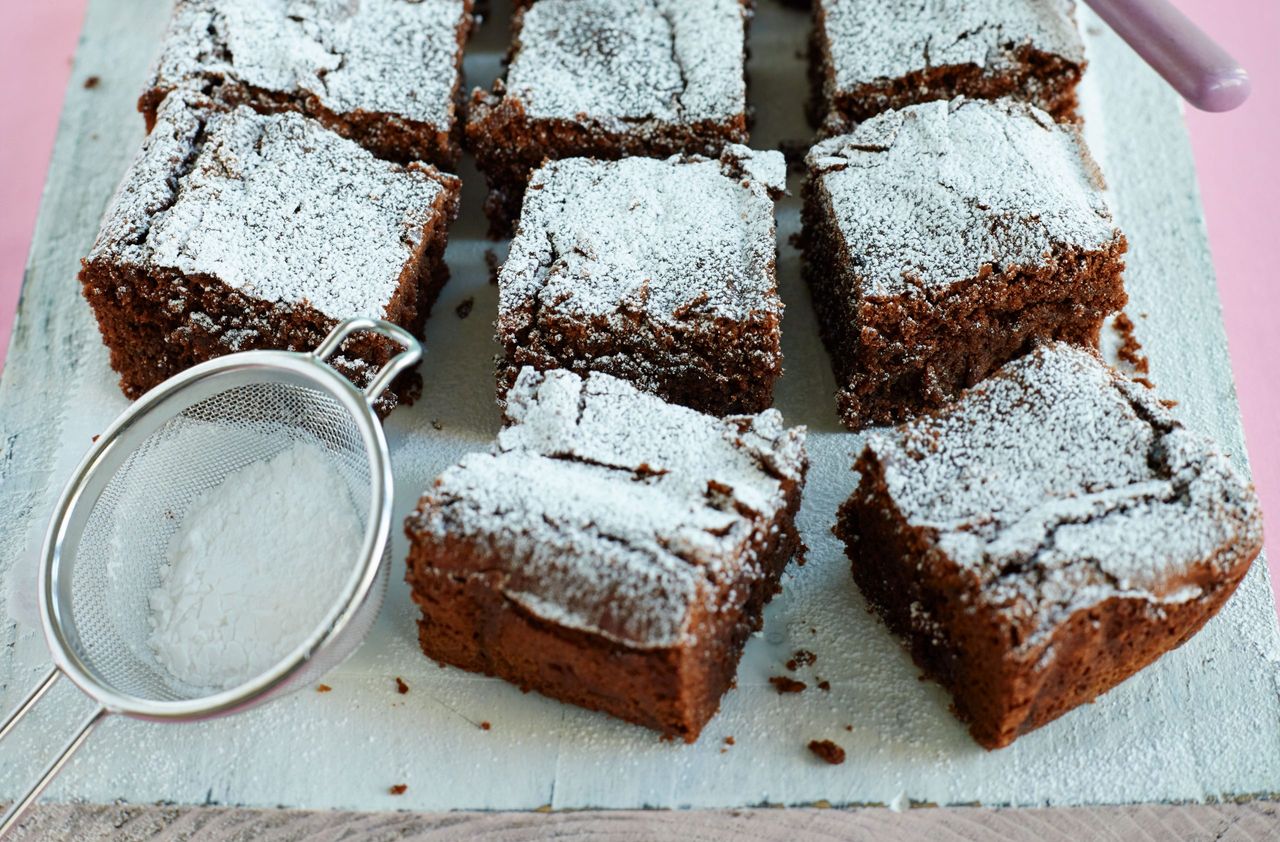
1251 822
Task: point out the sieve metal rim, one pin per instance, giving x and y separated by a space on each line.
312 368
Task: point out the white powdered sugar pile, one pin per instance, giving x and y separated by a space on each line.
927 196
664 60
254 567
390 56
1060 483
876 40
223 194
639 508
665 238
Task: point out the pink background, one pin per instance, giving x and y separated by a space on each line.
1235 154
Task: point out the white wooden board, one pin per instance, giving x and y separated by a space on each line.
1201 724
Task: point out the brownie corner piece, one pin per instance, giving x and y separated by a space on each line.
660 272
236 230
608 79
869 56
385 73
942 240
1050 535
610 550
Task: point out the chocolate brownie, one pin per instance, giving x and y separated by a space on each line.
385 73
1054 532
868 56
943 239
235 230
610 550
660 272
607 79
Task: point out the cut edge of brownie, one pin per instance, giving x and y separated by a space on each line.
148 342
469 623
1044 79
886 373
385 134
717 365
1004 685
508 145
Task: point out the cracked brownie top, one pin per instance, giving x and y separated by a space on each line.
377 56
273 206
1059 482
940 193
610 511
675 61
878 40
674 239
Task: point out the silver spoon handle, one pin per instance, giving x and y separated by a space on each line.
20 805
1193 63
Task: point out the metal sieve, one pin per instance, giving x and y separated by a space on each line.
142 475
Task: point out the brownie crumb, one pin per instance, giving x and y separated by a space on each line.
801 658
848 727
728 741
91 83
827 751
783 684
464 309
323 688
485 726
401 687
1130 348
397 789
824 686
491 261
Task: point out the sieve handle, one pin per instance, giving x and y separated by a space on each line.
21 804
400 363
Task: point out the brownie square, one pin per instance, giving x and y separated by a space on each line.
1054 532
868 56
610 550
385 73
661 272
942 240
608 79
235 230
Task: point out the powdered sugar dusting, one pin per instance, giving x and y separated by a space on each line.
667 60
274 206
240 591
1061 483
662 238
380 56
638 510
929 195
876 40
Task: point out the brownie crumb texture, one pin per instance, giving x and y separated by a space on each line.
323 688
225 236
91 82
783 684
385 73
660 272
874 55
801 658
608 79
398 789
978 229
1103 534
636 539
827 751
401 687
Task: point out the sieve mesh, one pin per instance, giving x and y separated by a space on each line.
122 550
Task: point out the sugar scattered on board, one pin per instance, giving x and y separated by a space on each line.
253 568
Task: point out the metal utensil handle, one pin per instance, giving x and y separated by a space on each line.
1193 63
401 362
23 802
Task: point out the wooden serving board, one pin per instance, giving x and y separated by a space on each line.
1201 725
